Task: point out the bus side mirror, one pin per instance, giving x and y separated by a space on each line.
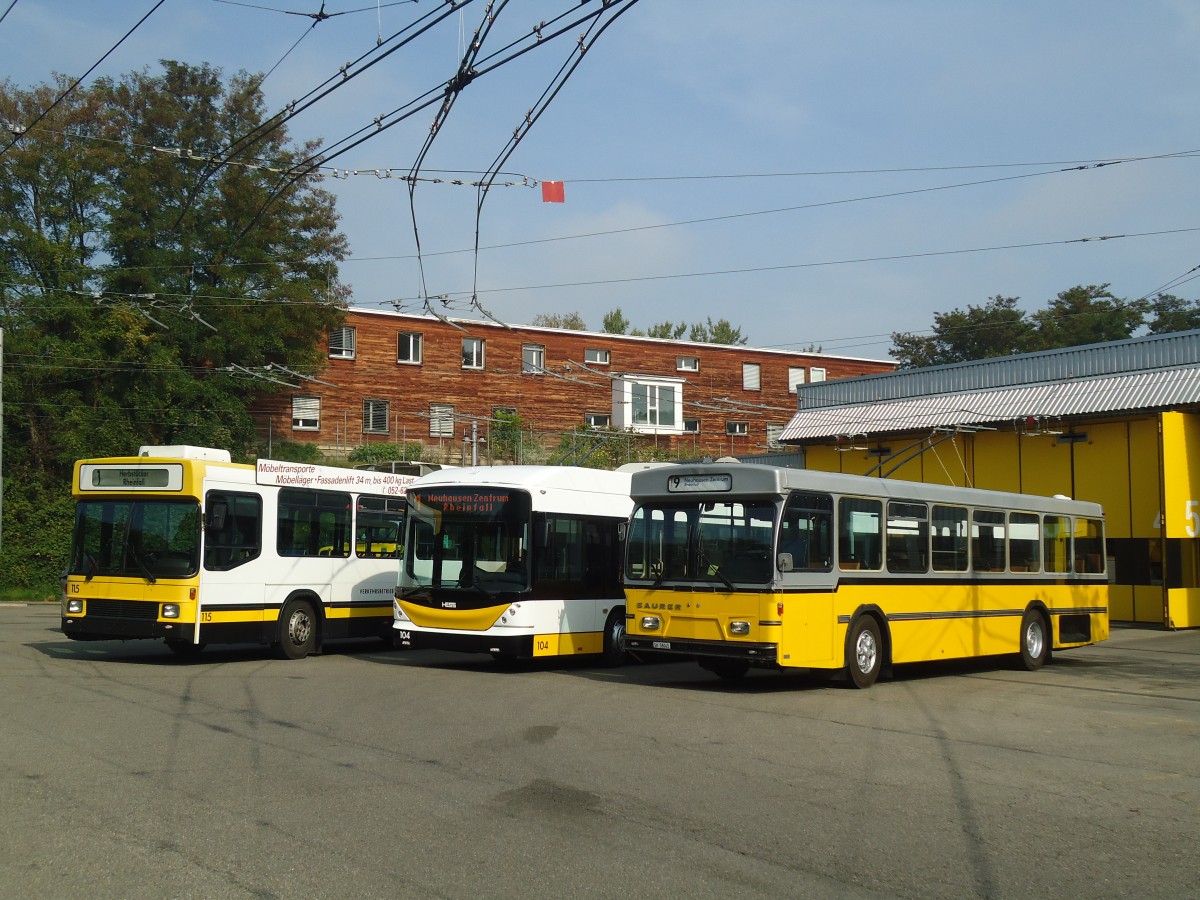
784 562
214 517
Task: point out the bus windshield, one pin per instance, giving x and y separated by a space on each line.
148 539
708 541
471 539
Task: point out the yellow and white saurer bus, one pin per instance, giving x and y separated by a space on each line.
743 565
516 561
179 543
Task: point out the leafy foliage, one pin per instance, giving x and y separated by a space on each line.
1084 314
375 454
571 321
144 279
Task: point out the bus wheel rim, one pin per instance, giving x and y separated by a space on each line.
865 650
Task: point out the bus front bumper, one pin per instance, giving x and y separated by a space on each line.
758 654
515 647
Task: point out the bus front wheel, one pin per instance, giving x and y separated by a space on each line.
613 653
1035 640
297 630
864 652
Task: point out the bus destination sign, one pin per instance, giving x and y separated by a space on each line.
686 484
131 477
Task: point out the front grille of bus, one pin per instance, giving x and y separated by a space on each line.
123 609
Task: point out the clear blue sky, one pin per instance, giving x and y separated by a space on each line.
819 105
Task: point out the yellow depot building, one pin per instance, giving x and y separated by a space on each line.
1116 423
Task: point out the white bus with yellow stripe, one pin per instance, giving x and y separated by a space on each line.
515 561
180 544
741 565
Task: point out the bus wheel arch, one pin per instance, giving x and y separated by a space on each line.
613 652
298 630
1036 637
868 646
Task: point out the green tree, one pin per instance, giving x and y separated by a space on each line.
1168 313
571 321
615 322
505 438
1086 315
998 328
722 332
668 330
145 281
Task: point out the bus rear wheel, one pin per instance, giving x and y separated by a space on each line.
297 630
864 652
1035 640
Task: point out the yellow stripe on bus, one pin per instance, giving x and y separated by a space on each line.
585 642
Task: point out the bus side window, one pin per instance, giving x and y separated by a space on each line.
237 537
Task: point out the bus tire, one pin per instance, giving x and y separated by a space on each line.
864 652
1035 640
297 630
184 649
613 653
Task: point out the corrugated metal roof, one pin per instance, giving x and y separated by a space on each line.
1072 397
1143 354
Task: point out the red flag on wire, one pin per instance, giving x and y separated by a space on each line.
553 192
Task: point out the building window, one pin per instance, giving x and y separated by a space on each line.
691 426
375 417
598 420
774 431
441 420
737 428
341 343
687 363
306 413
596 356
815 374
751 377
408 348
649 405
533 359
795 378
472 353
654 404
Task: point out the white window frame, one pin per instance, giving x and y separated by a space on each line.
533 359
441 420
596 356
737 429
373 410
664 414
687 364
795 378
473 353
598 420
416 347
306 413
816 374
751 377
343 343
691 426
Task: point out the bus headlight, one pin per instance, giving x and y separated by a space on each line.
75 607
739 627
170 610
651 623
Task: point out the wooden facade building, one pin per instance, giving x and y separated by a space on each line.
404 379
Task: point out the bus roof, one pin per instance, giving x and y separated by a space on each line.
553 488
749 478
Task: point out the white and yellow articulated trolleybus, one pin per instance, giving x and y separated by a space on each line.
741 565
516 561
180 544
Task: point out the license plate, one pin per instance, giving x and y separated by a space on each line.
661 645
